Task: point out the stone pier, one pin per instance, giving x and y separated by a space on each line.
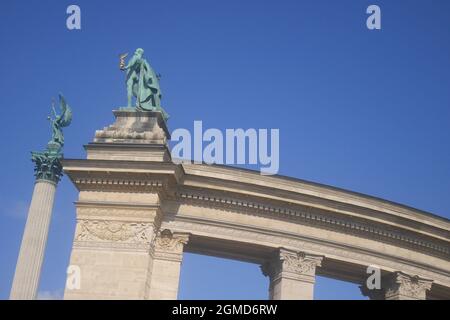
118 243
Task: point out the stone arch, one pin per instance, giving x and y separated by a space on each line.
138 211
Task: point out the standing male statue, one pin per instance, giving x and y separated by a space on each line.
142 83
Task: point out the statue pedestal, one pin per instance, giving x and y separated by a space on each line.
119 209
135 135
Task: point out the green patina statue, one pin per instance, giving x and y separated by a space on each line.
142 83
48 162
60 121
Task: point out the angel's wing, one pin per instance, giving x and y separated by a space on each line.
66 112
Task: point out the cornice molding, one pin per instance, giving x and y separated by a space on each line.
119 184
319 218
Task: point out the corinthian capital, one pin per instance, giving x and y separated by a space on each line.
401 286
170 245
292 264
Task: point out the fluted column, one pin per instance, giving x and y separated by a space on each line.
399 286
48 172
292 275
31 256
166 265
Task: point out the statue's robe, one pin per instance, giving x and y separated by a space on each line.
146 87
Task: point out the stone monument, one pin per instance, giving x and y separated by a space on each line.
137 213
139 132
48 172
132 239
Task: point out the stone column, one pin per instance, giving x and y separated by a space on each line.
399 286
48 172
292 275
167 257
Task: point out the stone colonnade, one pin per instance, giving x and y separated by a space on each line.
138 211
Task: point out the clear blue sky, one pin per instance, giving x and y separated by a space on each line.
362 110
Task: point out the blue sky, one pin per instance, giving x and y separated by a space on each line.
367 111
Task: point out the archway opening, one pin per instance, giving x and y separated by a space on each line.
207 278
331 289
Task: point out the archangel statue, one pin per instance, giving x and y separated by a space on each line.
142 83
60 121
48 162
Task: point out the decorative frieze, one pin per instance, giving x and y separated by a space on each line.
91 233
316 217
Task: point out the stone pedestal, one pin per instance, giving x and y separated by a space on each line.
292 275
134 136
112 245
119 212
31 256
167 258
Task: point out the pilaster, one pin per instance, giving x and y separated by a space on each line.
164 279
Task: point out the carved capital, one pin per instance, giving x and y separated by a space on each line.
47 165
401 286
169 245
292 264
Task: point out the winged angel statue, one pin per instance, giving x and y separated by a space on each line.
60 121
47 163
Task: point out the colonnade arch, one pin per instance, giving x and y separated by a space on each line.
138 211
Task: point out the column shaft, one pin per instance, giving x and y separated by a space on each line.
32 249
